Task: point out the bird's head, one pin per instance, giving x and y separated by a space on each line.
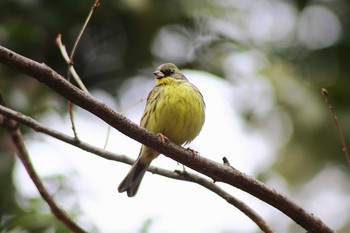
168 71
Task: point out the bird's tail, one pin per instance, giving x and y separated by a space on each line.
132 181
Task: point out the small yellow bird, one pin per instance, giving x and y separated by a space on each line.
174 110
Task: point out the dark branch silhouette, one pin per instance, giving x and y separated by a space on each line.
216 171
337 126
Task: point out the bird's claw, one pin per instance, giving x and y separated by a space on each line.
193 152
162 138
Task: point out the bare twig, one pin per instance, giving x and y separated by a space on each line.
214 170
71 117
69 59
71 67
71 62
22 153
107 137
30 122
92 10
122 112
337 126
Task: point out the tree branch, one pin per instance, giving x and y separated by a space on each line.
216 171
22 154
178 175
71 67
337 126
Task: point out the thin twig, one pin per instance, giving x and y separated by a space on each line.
214 170
93 8
337 126
107 137
185 176
71 117
132 105
71 67
122 112
22 153
71 61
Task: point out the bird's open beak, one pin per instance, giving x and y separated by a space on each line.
159 74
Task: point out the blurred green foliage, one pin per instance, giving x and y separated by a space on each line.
126 38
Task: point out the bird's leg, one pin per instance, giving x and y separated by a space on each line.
193 152
162 138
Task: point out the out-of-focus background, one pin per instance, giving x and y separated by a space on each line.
260 65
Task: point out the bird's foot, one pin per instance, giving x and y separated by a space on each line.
193 152
162 138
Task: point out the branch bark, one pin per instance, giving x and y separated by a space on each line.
216 171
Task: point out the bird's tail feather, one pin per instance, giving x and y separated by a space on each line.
132 181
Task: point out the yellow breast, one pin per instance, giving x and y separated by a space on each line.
177 111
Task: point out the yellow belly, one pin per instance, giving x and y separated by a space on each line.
179 113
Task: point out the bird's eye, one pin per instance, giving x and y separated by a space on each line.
168 72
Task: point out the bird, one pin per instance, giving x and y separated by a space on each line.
175 111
